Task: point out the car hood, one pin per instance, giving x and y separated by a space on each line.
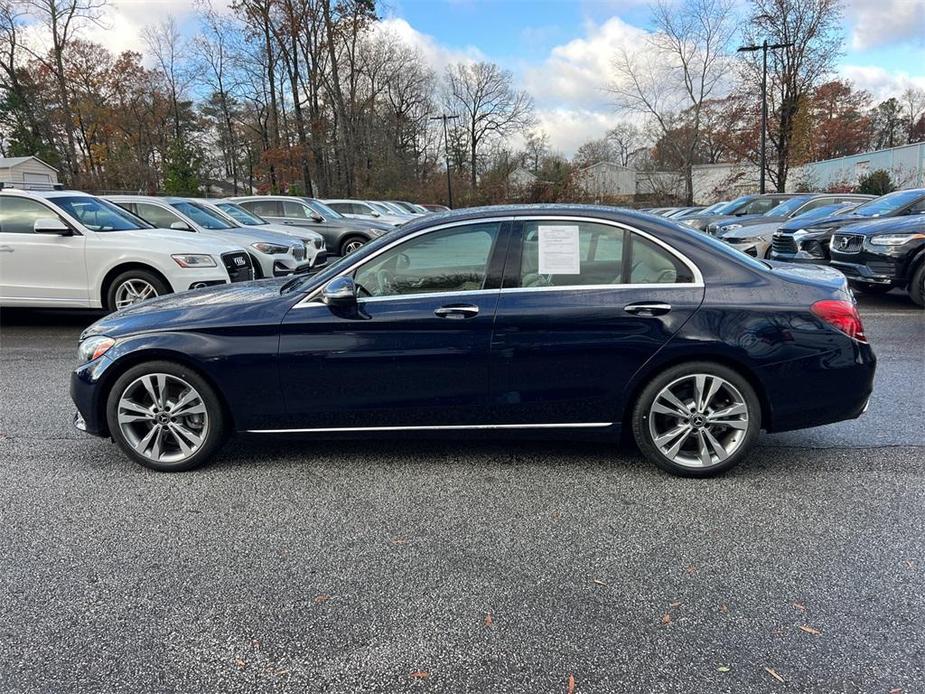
362 224
747 219
186 241
899 225
289 230
750 231
187 310
249 235
824 223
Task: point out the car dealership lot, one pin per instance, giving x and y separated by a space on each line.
350 566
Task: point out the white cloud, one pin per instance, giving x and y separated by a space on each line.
886 23
881 83
569 128
436 55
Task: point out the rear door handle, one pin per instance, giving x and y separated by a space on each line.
6 249
457 312
648 309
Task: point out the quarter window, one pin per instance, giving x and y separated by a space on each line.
450 260
18 215
158 216
262 208
602 255
295 210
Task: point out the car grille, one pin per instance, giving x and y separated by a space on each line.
847 243
319 243
298 251
239 267
783 243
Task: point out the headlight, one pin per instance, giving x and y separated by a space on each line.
746 239
193 260
689 222
270 248
729 227
94 348
894 239
375 233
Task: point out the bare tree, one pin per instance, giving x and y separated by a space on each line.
812 30
913 101
61 18
626 140
488 105
536 147
169 50
683 65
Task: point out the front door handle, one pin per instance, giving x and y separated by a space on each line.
6 249
457 312
647 309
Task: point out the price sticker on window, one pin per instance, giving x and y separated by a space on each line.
560 252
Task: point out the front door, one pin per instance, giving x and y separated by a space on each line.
39 269
584 306
415 352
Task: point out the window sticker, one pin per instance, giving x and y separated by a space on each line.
560 252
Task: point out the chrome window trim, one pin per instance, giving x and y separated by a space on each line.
449 427
310 299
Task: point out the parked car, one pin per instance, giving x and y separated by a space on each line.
745 205
272 254
409 207
64 248
755 240
788 209
359 209
430 207
389 210
682 212
562 319
883 253
796 242
709 210
341 235
315 248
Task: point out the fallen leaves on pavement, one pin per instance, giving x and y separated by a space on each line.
571 684
774 674
810 630
324 597
489 620
420 675
666 618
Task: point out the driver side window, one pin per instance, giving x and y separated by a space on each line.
451 260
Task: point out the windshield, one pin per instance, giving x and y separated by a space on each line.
202 216
824 211
786 208
888 204
99 215
379 207
322 209
726 249
730 207
240 215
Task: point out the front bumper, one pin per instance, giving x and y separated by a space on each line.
882 273
283 269
87 394
799 257
756 249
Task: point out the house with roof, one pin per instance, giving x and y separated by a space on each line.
25 170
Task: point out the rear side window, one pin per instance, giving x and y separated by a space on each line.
759 206
581 254
18 215
263 208
158 216
295 210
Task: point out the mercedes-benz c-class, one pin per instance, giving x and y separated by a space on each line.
572 321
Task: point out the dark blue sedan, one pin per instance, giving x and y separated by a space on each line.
572 320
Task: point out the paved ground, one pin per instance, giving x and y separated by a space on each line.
492 567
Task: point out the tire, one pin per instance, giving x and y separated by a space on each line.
917 286
352 243
133 393
133 281
867 288
733 440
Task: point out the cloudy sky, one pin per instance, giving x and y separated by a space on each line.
561 50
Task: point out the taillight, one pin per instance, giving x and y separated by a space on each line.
842 315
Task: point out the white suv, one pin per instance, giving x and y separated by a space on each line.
62 248
273 254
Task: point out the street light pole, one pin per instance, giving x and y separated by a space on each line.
764 47
446 140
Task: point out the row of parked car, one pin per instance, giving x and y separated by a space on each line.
61 248
877 242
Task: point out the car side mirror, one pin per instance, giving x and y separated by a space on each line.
180 226
340 292
376 214
51 225
317 218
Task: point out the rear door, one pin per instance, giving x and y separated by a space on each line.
41 269
583 306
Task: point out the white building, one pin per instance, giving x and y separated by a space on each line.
21 170
606 180
521 178
906 166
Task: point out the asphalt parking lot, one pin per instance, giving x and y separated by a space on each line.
437 566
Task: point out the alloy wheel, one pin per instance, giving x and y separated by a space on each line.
698 420
134 291
352 246
163 418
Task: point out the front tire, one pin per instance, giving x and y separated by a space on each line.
697 419
165 416
132 287
351 244
917 286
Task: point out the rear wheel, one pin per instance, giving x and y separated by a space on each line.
868 288
165 416
917 286
133 287
697 419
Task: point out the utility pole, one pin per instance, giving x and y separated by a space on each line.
764 47
446 140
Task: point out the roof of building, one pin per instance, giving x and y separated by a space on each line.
10 162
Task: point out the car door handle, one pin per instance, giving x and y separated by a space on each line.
647 309
6 249
457 312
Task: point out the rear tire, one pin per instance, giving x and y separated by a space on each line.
868 288
165 416
917 286
126 289
693 435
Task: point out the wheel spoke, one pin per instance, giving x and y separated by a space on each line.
676 446
145 442
737 408
130 411
705 458
700 381
670 411
731 423
673 399
713 388
189 403
717 447
161 380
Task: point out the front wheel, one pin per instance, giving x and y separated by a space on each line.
917 286
351 244
697 419
165 416
133 287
